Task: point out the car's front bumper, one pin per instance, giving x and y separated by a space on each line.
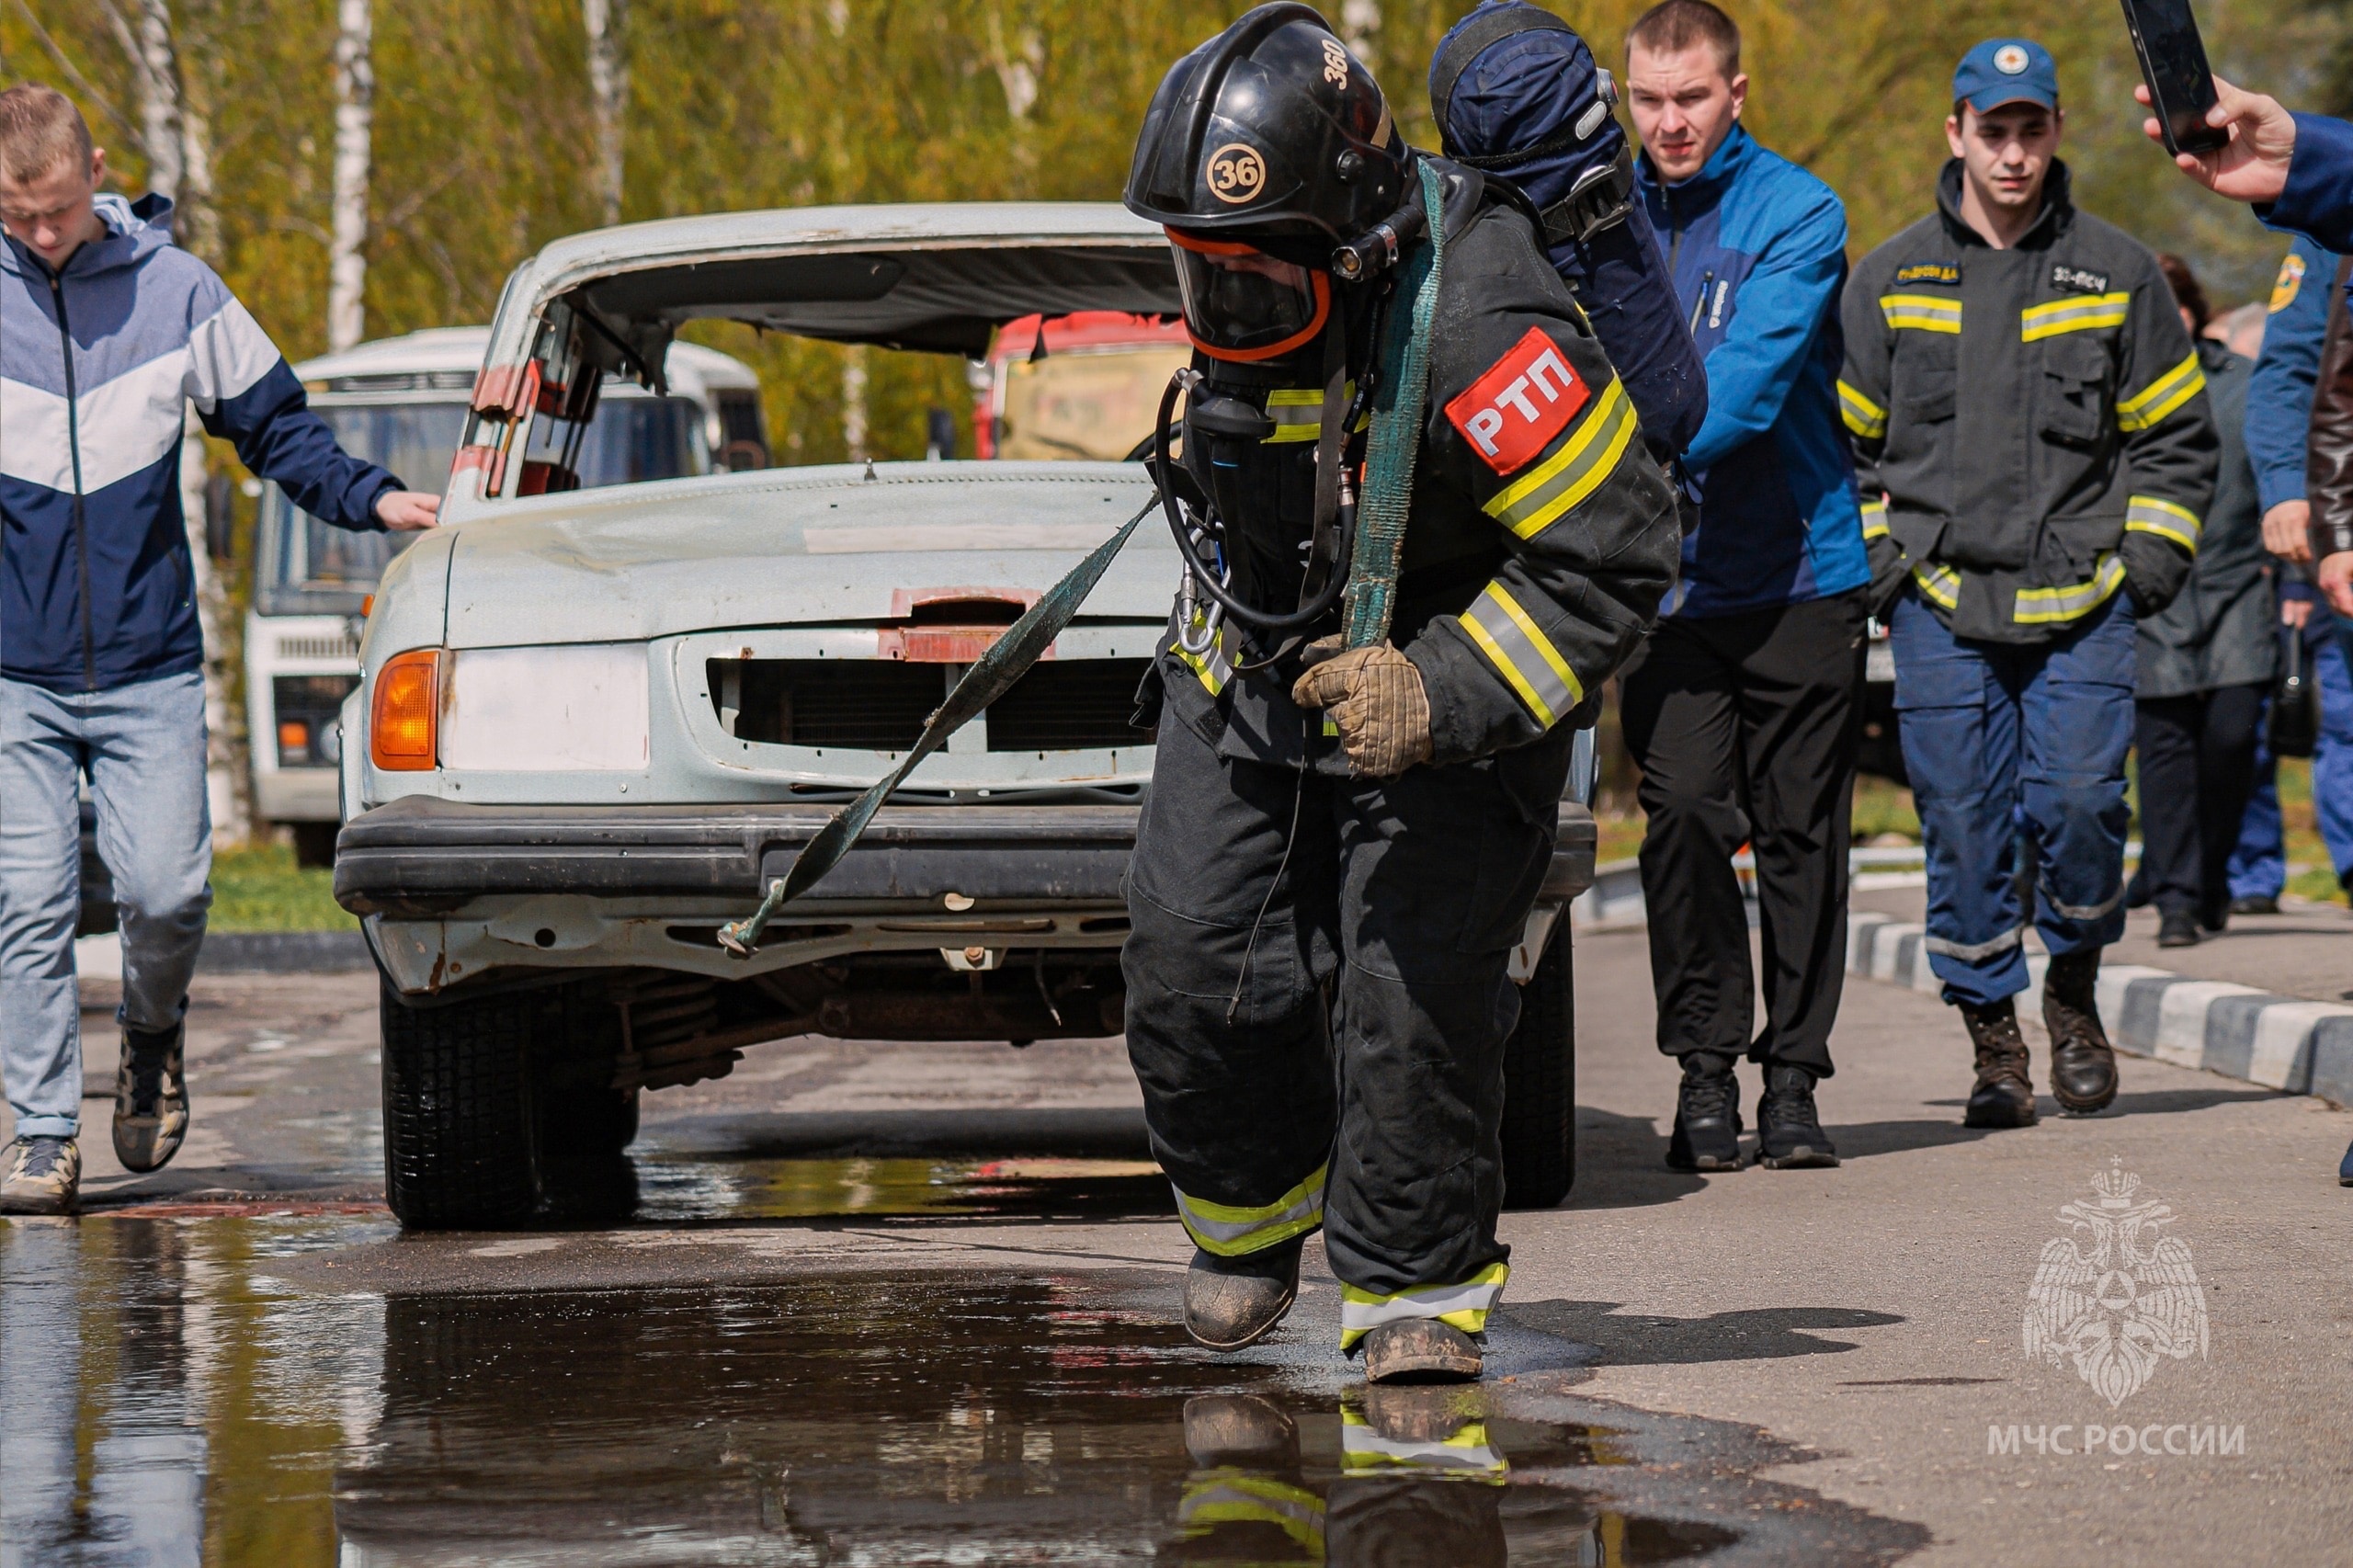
452 892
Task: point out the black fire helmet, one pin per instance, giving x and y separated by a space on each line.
1271 133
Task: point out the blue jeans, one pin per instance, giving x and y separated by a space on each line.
2259 866
1998 736
143 747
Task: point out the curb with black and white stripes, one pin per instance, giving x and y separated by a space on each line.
2281 1042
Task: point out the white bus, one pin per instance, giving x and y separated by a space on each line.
401 401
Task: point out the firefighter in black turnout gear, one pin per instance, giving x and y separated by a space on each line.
1348 827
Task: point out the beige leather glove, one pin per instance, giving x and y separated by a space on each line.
1375 696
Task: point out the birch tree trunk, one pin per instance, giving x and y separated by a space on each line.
355 114
1360 31
854 401
609 87
180 169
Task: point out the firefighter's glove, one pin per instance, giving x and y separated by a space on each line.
1375 696
1890 569
2155 569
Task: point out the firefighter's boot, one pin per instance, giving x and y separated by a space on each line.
1421 1350
2083 1064
2005 1094
1234 1301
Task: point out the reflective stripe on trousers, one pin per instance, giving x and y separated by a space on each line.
1232 1229
1464 1306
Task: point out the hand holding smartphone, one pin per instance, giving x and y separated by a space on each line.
2173 63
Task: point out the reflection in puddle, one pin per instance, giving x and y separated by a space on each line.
169 1401
737 1189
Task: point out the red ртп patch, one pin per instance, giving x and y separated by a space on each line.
1525 397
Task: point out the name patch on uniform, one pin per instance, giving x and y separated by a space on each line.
1525 397
1928 272
2076 280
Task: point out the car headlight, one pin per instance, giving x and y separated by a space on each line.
578 706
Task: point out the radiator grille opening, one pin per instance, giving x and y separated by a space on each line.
881 704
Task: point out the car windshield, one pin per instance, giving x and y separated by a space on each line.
633 439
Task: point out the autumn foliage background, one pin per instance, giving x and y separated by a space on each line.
485 138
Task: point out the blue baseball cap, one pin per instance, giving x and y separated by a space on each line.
2006 71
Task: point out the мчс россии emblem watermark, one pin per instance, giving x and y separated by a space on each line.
2116 1296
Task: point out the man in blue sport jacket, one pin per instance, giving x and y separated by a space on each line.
1744 708
2279 414
107 330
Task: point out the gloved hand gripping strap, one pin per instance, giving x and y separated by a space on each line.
1397 405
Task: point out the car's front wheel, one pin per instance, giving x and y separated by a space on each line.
1540 1131
460 1144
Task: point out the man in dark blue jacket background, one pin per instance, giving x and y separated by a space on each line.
1744 710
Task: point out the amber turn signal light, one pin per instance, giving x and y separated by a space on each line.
403 723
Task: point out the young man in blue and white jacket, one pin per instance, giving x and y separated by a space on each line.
107 333
1744 708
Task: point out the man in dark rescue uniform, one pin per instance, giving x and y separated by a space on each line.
1340 849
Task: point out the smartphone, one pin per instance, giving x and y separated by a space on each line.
2172 61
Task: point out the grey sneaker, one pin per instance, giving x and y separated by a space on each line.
150 1098
44 1177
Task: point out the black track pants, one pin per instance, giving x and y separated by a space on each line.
1386 934
1744 727
2197 769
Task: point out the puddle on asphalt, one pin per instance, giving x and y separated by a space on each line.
676 1190
171 1399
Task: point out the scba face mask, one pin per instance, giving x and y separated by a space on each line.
1242 304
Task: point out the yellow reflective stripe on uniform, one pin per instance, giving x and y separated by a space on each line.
1920 313
1531 502
1212 670
1230 1497
1298 411
1864 417
2084 313
1940 582
2040 607
1522 655
1231 1230
1467 1452
2161 397
1875 519
1464 1306
2147 514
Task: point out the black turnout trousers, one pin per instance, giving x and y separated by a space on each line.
2197 770
1744 727
1373 1007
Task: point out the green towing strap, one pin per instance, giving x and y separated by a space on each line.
989 678
1396 442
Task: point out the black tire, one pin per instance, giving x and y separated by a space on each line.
459 1134
1540 1083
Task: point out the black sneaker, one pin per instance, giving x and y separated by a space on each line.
1707 1117
2255 904
2177 928
1788 1133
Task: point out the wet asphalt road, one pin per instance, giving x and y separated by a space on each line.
914 1304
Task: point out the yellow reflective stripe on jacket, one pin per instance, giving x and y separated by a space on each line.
1212 670
1231 1230
1940 582
2147 514
1864 417
1531 502
1467 1452
1464 1306
1920 313
1875 519
2040 607
2085 313
1298 411
2161 397
1230 1497
1522 655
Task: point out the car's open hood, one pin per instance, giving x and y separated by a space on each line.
839 545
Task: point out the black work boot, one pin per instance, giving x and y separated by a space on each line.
2005 1094
1707 1116
2178 928
2083 1065
1234 1301
1788 1133
1421 1350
